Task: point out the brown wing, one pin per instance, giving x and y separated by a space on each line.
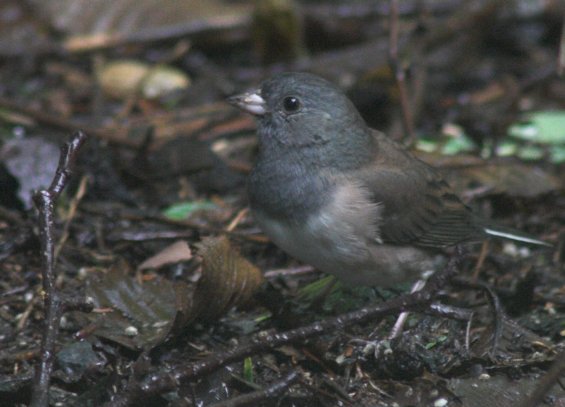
419 206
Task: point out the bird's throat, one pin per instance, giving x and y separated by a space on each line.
289 191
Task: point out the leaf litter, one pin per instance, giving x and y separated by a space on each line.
483 70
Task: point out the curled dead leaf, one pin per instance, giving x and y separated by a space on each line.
228 279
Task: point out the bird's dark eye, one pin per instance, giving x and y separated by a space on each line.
291 104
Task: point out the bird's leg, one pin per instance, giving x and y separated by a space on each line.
435 282
378 346
401 320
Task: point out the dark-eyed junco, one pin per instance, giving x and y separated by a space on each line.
344 198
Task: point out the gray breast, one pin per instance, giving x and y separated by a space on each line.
286 192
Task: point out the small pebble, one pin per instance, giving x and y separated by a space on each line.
131 331
442 402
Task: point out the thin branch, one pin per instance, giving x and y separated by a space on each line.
561 57
260 396
54 307
73 206
399 73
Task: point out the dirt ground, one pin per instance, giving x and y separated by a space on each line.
131 272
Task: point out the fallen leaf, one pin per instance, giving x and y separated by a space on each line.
228 279
148 313
175 253
183 210
143 313
543 127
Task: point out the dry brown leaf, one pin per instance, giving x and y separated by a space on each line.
146 314
174 253
142 313
228 279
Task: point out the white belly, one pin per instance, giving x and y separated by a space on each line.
334 239
343 239
316 244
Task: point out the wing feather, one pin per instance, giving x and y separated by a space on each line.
419 206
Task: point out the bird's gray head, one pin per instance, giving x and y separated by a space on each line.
303 111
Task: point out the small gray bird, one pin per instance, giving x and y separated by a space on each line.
344 198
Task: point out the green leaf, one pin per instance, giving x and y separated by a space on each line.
457 145
557 154
507 148
542 127
311 291
427 145
263 317
248 369
340 298
451 141
183 210
531 153
439 340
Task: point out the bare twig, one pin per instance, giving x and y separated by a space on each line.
168 380
54 307
240 215
293 271
481 260
81 191
27 312
495 305
399 73
259 396
561 58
